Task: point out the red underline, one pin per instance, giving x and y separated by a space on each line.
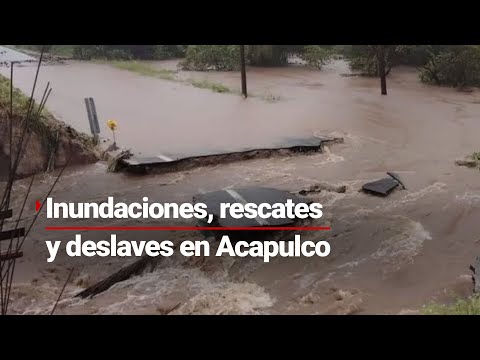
184 228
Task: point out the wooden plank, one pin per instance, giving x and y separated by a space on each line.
11 234
4 256
7 214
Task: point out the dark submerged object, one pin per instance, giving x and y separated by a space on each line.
255 195
476 275
385 186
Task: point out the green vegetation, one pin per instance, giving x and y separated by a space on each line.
446 65
20 107
475 156
204 84
470 306
58 50
20 101
364 58
316 56
143 69
457 66
227 57
270 55
212 57
128 52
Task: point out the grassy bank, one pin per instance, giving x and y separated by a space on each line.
143 69
20 101
49 141
146 69
42 126
205 84
470 306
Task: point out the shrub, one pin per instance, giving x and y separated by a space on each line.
227 57
211 57
270 55
459 66
315 56
88 52
363 58
127 52
169 51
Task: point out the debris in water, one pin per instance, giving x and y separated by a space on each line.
396 177
316 188
476 273
169 310
115 162
470 163
255 195
384 186
137 268
350 75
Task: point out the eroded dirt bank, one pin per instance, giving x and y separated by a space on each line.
389 255
48 143
48 147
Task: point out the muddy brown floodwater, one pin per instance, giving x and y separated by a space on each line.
389 255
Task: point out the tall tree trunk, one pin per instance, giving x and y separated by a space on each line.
381 68
243 70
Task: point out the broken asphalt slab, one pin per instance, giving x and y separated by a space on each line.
385 186
168 161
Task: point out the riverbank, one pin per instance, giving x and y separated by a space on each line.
50 144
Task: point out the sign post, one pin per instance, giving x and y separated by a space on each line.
92 118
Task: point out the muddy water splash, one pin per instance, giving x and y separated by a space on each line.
388 254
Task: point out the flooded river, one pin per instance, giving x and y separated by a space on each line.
389 255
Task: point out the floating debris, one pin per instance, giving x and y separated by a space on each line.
384 187
115 163
467 163
476 273
319 187
137 268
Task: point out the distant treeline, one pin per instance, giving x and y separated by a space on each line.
451 65
128 52
113 52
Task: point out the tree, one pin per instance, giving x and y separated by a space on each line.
243 70
267 55
381 62
452 65
376 60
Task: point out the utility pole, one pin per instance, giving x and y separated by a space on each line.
381 68
243 71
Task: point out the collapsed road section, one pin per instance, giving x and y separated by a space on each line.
167 162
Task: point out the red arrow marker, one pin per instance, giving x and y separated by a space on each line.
38 205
